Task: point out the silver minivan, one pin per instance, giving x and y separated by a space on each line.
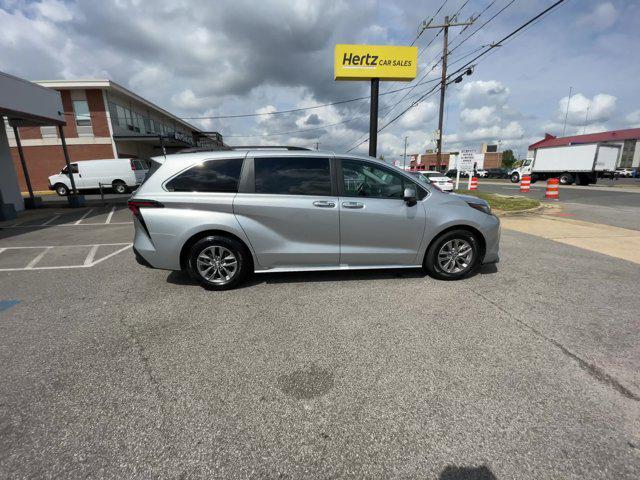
222 215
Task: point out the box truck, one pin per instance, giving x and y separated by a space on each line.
582 164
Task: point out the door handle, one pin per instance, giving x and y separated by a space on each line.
352 205
323 204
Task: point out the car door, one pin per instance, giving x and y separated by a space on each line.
77 171
288 208
377 227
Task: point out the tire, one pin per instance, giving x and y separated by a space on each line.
437 261
515 177
566 179
61 189
120 187
220 253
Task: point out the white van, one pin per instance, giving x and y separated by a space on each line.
120 174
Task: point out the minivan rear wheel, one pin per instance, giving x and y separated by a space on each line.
218 263
453 255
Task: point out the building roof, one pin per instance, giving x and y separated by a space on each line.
612 136
103 83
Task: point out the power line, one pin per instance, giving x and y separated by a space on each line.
483 25
489 49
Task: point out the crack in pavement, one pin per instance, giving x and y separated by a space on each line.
593 370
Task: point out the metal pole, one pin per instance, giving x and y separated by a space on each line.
404 162
443 86
564 127
373 118
66 160
22 161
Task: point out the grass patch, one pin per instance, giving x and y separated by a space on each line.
505 203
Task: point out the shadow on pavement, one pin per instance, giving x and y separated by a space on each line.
451 472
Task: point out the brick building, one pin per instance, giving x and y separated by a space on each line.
103 120
430 161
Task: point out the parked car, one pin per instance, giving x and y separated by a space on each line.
222 215
498 173
481 173
437 179
120 174
625 172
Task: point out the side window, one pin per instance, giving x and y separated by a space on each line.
365 180
74 169
293 176
209 176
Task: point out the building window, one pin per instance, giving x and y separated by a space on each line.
81 109
49 132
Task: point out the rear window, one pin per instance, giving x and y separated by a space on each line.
293 176
210 176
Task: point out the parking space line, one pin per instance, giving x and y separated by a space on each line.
78 245
50 220
65 225
84 216
90 255
88 262
111 255
38 257
113 209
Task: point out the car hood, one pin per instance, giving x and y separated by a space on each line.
471 199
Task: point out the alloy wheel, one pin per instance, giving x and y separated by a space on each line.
455 256
217 264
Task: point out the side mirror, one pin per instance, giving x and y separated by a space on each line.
410 197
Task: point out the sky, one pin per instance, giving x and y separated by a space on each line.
208 59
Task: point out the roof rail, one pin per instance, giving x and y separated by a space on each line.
242 147
265 147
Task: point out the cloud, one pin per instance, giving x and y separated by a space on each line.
633 118
600 109
312 119
417 116
480 93
482 116
602 17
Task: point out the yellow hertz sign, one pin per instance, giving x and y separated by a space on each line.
359 62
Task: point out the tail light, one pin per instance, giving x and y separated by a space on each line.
136 205
133 165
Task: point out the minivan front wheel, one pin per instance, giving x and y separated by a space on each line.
453 255
218 263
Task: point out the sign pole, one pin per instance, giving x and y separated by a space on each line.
373 118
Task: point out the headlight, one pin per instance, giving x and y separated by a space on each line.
481 207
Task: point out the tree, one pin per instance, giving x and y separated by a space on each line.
508 159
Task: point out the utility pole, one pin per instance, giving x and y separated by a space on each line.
404 161
564 127
373 118
443 82
317 145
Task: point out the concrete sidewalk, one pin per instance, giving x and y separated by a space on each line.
605 239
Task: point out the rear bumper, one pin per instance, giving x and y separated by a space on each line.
140 259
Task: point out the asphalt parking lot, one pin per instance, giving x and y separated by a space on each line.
112 370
